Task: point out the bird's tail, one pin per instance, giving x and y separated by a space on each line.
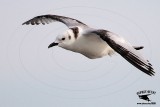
138 47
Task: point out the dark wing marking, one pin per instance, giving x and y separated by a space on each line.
46 19
126 51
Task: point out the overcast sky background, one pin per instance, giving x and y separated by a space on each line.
31 75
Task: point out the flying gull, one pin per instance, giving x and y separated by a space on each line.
93 43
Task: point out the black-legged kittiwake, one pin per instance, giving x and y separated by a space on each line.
93 43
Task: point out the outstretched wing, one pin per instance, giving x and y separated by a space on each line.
46 19
126 50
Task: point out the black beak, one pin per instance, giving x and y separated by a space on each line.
52 44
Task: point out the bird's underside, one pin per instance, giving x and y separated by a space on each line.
118 44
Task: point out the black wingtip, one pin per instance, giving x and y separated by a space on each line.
150 71
23 23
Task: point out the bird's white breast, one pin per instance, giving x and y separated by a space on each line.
92 46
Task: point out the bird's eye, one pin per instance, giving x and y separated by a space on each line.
63 38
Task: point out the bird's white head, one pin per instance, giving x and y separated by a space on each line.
64 40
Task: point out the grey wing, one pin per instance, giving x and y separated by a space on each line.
46 19
126 50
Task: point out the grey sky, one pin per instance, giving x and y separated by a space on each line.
31 75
